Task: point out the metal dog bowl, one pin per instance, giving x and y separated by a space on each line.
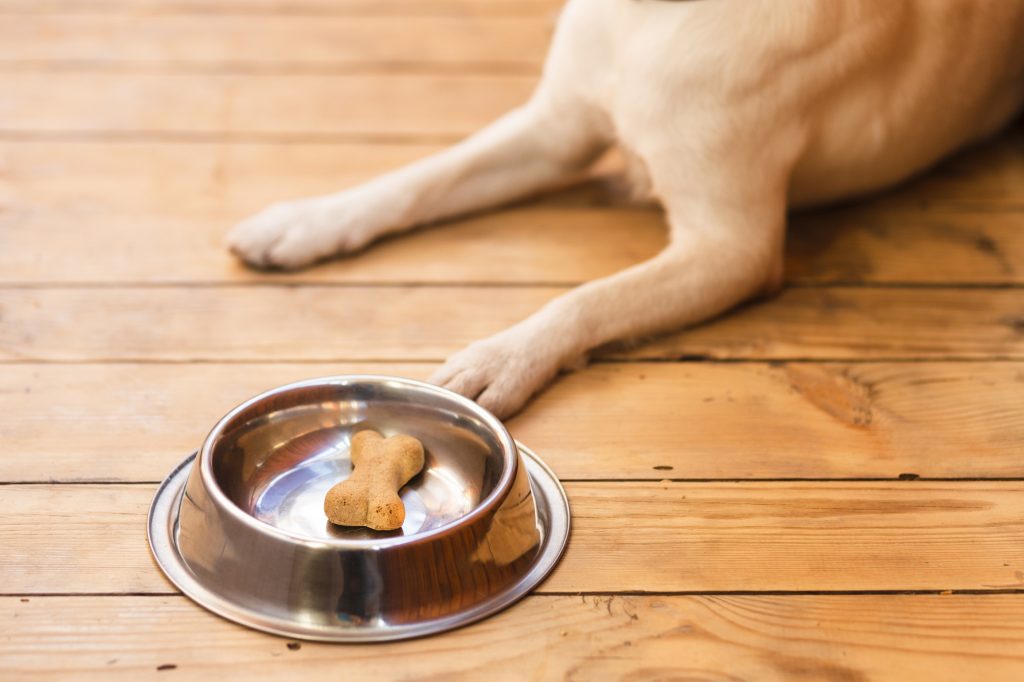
239 527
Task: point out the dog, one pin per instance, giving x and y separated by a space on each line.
728 111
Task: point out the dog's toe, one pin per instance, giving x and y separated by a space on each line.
286 236
500 373
247 244
293 250
468 381
504 398
254 239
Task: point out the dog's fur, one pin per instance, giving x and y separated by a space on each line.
730 111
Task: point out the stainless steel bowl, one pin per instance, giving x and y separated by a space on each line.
240 526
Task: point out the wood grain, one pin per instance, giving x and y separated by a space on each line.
259 106
161 212
840 638
319 323
627 537
516 246
194 180
131 422
135 132
529 244
239 178
403 8
857 323
227 43
877 242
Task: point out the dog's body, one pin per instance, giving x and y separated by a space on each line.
730 111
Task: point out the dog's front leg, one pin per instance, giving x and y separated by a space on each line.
718 257
549 138
558 132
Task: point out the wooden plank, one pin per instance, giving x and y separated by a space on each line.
536 243
797 420
161 212
526 245
240 178
302 43
642 537
193 180
259 106
396 323
403 8
403 323
851 638
857 324
130 422
877 242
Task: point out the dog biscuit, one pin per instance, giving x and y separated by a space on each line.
369 497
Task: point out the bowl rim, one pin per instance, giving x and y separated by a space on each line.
494 499
162 524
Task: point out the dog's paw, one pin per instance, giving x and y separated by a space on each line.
501 373
295 234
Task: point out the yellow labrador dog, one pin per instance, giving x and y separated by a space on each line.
729 112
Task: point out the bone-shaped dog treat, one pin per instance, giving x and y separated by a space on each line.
369 497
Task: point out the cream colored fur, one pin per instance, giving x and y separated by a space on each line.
734 110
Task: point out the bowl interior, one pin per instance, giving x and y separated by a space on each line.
277 457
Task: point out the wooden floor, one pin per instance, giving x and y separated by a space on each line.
827 486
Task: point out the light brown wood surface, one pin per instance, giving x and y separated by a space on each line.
409 322
627 537
135 422
943 638
188 195
528 244
232 42
211 176
295 106
398 8
741 473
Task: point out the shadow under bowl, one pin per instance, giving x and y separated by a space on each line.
240 527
